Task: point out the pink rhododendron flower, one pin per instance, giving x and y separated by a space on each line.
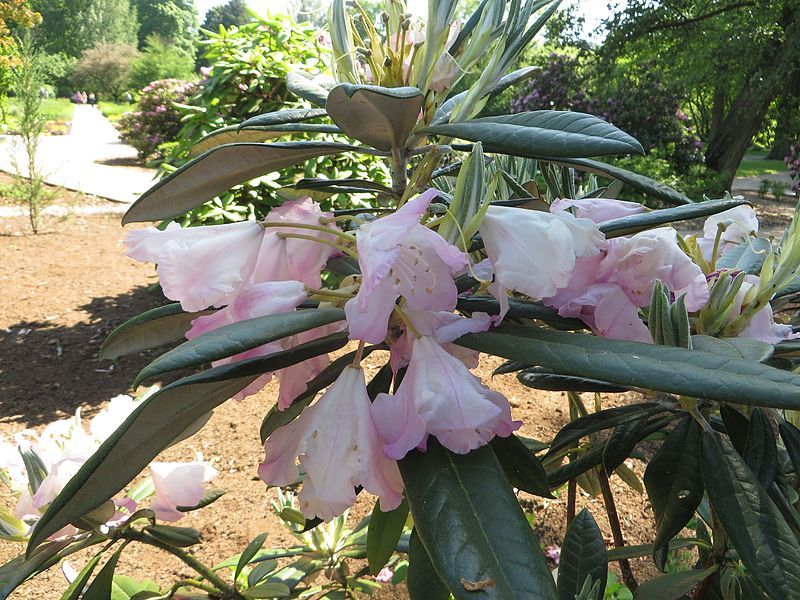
208 266
444 327
598 210
199 266
739 223
762 325
553 553
534 252
178 484
440 397
399 257
104 423
286 258
338 447
607 290
256 300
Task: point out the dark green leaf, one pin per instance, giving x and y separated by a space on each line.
236 338
736 426
210 497
746 348
180 537
583 555
472 526
760 451
523 469
100 589
380 117
152 427
151 329
16 571
544 379
283 117
674 481
622 441
791 439
576 467
73 592
303 87
542 133
443 112
334 185
519 309
638 182
747 257
423 582
254 134
249 553
765 544
217 171
385 528
261 571
572 432
666 369
648 220
672 586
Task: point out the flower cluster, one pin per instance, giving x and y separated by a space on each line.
36 467
405 297
792 161
157 120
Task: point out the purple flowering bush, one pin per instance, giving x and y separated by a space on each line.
637 102
157 120
792 161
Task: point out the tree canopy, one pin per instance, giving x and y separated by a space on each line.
174 21
732 58
72 26
233 13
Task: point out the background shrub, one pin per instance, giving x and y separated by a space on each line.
249 78
160 59
157 120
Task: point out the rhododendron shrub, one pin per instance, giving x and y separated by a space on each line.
581 294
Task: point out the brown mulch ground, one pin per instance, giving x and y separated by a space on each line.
62 291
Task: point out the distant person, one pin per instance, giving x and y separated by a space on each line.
128 97
84 98
92 99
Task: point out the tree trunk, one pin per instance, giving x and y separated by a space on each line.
787 130
727 147
717 112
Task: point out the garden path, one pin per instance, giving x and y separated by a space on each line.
91 159
752 183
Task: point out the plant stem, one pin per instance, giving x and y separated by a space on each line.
572 489
398 166
616 529
227 591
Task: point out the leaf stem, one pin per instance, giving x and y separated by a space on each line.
616 528
321 228
311 238
572 488
220 584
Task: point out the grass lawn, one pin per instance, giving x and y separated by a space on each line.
114 110
756 164
56 111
